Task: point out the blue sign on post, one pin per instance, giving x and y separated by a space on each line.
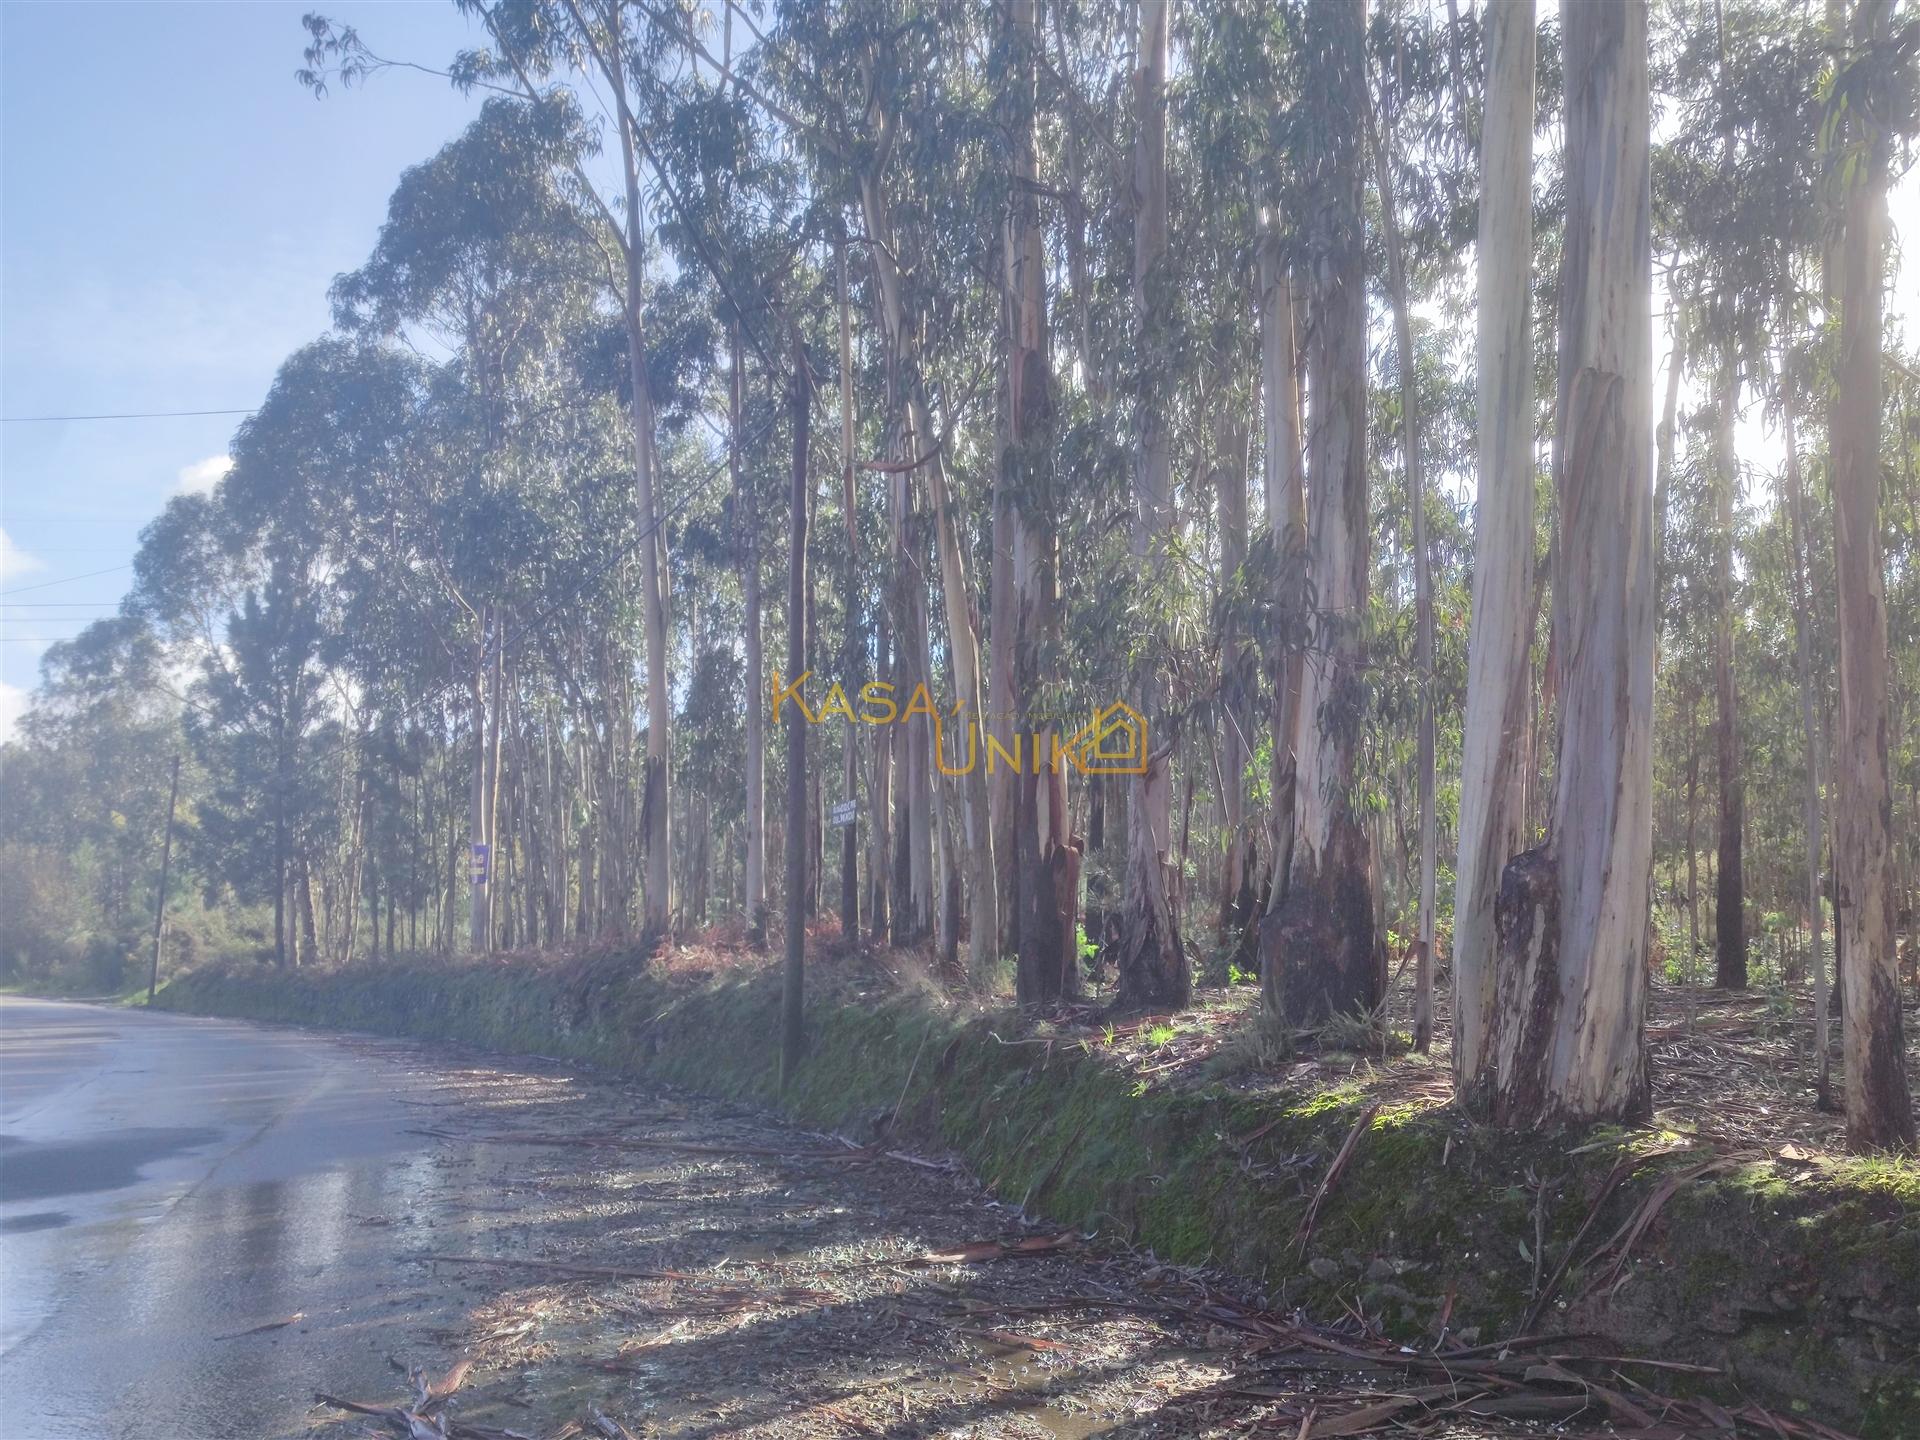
480 864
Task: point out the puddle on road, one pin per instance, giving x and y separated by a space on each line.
111 1161
38 1220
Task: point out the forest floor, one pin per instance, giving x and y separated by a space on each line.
669 1266
1734 1068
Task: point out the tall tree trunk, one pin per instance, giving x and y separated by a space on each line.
1663 465
850 643
303 902
793 973
913 913
921 449
160 891
1286 497
496 711
1729 911
963 648
480 884
816 827
657 837
1879 1106
282 787
1810 739
1570 1041
1422 584
747 518
916 446
1693 850
1320 954
1494 733
1001 699
356 868
880 791
557 819
1236 728
1152 964
1044 873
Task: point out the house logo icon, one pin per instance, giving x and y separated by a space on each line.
1114 742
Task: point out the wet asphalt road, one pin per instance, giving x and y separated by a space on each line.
166 1182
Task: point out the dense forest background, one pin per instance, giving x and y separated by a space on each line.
1001 350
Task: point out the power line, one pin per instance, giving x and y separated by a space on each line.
127 415
66 579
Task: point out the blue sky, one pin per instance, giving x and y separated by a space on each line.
173 206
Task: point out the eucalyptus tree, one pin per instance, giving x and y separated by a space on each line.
482 253
1879 1104
240 582
1232 63
1799 546
915 446
1278 251
1229 387
1042 863
1687 618
919 447
1737 190
609 50
636 71
1570 1042
1399 84
83 783
733 223
1153 963
1284 475
900 140
1499 668
258 720
1729 909
1320 953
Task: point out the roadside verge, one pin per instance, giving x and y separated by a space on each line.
1798 1277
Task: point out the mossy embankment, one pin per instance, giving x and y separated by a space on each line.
1800 1280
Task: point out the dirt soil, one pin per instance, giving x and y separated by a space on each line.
667 1266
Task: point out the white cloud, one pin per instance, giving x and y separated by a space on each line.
201 476
13 704
15 562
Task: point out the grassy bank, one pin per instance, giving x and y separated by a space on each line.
1799 1277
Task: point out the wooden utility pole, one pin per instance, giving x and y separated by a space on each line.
166 863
